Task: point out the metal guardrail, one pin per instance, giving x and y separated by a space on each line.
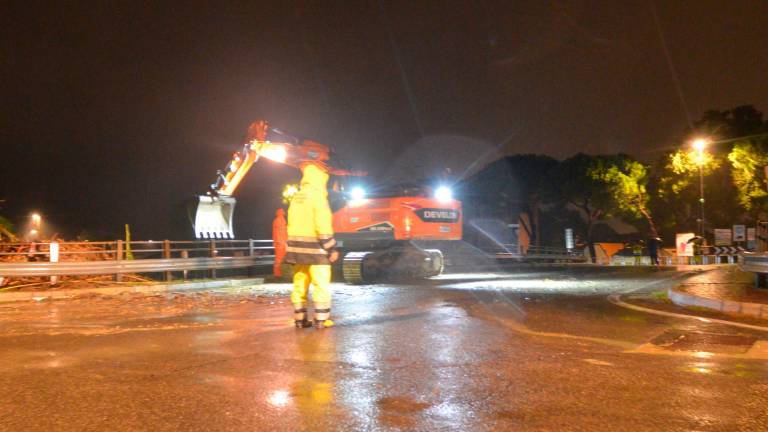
541 253
118 257
129 266
754 262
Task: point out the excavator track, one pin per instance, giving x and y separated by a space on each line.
352 266
361 267
436 263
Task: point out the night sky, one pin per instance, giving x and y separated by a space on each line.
117 112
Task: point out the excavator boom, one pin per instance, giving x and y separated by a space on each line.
213 215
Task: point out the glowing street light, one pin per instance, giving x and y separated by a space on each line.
700 144
36 219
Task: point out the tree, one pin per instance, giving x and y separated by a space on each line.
6 230
579 182
6 227
747 161
509 186
627 181
735 157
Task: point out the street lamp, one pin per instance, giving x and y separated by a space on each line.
700 144
36 220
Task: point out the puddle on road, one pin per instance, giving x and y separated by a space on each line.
401 404
703 345
698 341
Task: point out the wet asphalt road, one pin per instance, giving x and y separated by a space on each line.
527 350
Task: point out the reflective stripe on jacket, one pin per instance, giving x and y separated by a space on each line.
310 221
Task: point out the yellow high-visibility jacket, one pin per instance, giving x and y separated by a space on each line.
310 221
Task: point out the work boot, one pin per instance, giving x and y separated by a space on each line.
322 324
302 323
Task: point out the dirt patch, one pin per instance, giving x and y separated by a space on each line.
399 411
401 404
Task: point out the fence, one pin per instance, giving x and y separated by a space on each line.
542 253
119 257
756 263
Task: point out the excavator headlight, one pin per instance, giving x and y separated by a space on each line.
275 153
357 193
443 194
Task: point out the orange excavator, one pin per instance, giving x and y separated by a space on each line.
394 231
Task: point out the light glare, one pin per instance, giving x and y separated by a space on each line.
700 144
443 194
279 398
357 193
275 153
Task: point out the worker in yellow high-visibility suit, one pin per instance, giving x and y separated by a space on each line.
311 246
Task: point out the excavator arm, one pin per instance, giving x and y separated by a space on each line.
213 218
257 146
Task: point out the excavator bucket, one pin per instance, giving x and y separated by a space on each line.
213 218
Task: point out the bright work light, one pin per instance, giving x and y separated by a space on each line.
357 193
276 153
443 194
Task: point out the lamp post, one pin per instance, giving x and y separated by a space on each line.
36 220
35 224
700 144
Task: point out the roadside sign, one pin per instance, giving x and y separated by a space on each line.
739 233
722 237
569 238
684 248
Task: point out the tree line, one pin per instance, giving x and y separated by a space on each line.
659 197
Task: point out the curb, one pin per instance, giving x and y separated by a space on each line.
731 307
154 288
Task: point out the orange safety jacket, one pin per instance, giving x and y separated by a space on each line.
310 221
279 240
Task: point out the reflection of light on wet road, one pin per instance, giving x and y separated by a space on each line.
460 276
451 414
529 284
703 354
358 357
702 367
279 398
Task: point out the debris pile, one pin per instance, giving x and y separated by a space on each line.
68 251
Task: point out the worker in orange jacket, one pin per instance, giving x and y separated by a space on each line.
279 240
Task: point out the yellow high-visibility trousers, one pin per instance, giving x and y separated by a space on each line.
319 276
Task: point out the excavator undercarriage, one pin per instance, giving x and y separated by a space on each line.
396 262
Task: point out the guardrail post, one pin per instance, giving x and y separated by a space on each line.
185 255
759 280
53 256
251 253
213 255
167 255
118 258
